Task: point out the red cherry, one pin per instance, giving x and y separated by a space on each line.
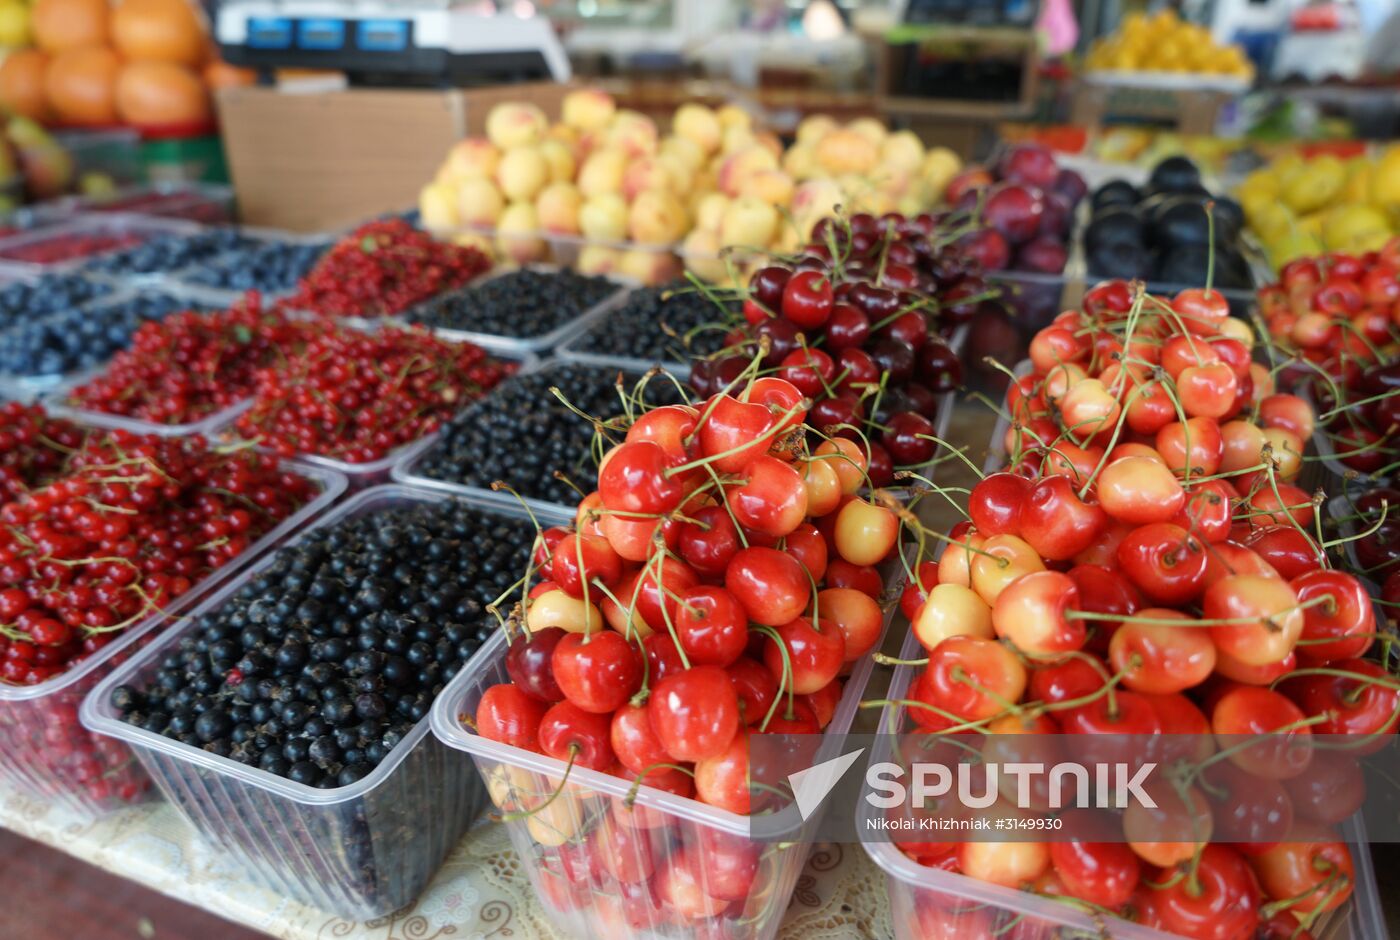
772 500
508 715
814 654
755 686
807 299
695 713
1339 628
597 672
712 626
1220 903
580 559
1055 521
634 479
1164 562
710 542
633 741
569 732
996 504
772 585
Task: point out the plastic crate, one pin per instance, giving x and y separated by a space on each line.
660 823
967 906
45 751
358 852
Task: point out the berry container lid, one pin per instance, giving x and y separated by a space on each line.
358 851
671 820
1327 453
966 898
30 714
32 386
531 344
126 230
379 471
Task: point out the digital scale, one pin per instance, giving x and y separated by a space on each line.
386 43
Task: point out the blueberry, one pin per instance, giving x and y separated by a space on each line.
673 323
271 267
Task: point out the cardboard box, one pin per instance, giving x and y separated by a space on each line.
315 160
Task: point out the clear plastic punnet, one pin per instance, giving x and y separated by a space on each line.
925 901
47 250
46 752
647 835
357 852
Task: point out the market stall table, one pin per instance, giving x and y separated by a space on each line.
480 893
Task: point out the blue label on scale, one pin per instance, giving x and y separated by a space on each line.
382 35
321 34
269 32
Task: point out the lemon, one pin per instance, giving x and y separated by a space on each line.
14 24
1297 244
1272 220
1354 228
1313 185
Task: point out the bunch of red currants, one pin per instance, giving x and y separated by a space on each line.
1339 317
1144 566
716 586
851 326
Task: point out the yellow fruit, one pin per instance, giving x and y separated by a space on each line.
1315 184
1272 221
1385 180
1296 244
1357 188
1355 228
14 24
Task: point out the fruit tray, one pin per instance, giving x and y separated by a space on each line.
534 344
966 907
43 747
71 245
207 426
376 472
548 843
93 316
358 851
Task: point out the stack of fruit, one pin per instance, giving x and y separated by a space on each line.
1144 566
609 176
1165 233
713 588
853 327
1164 42
1301 206
1338 317
1025 203
147 63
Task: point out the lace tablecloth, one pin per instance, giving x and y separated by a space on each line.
480 893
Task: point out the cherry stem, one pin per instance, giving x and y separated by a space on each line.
786 679
563 782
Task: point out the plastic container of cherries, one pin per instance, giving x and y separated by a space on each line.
357 851
46 751
927 901
659 835
72 244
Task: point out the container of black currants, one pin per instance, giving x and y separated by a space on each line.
654 326
46 752
316 768
483 443
525 310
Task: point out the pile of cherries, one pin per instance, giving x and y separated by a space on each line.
1338 316
355 396
383 268
851 326
714 587
1142 566
191 365
126 524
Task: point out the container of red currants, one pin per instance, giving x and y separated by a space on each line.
44 749
610 859
312 762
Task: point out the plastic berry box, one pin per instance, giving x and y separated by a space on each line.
71 244
45 751
357 852
959 906
206 203
552 842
